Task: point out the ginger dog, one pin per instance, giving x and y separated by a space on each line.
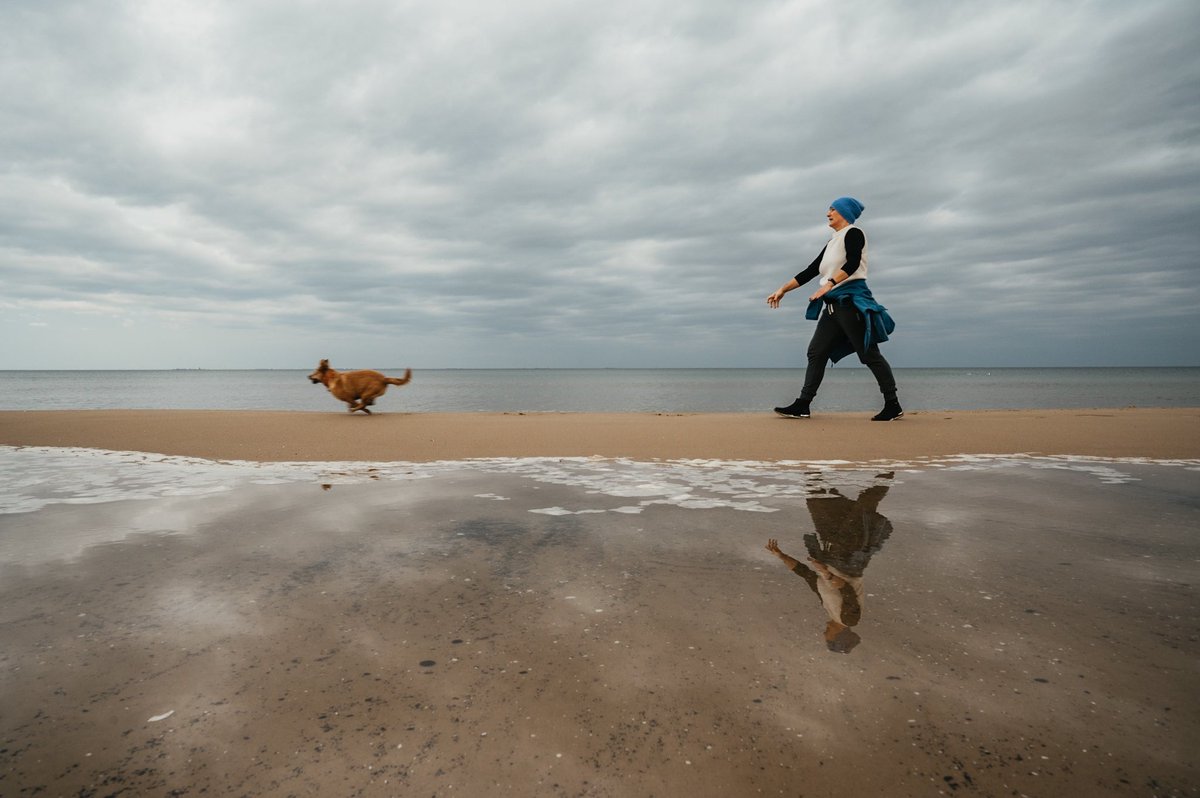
358 389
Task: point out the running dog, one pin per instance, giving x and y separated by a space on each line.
358 389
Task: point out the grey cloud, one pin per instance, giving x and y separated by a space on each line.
613 184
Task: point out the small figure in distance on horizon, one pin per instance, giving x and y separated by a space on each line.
358 389
848 317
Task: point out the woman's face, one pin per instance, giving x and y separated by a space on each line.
835 219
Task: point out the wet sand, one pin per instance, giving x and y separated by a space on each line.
597 627
284 436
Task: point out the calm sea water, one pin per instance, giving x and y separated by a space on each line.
607 390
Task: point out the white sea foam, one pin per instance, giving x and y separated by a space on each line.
35 477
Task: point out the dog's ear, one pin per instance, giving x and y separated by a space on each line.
324 364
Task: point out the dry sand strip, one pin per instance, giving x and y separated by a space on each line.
272 436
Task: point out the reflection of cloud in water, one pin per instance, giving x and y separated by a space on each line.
36 477
192 606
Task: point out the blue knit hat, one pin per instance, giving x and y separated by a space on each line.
848 207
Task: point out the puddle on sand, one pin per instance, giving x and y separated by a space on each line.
990 625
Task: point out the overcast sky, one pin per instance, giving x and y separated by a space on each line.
542 183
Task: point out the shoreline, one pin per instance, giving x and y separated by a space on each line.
283 436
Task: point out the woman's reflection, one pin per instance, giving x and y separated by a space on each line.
848 533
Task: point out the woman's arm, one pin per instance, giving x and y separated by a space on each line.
789 561
797 281
774 299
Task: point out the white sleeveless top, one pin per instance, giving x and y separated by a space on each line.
835 256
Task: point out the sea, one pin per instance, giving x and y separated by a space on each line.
715 390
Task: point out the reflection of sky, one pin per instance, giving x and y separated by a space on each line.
39 476
1007 595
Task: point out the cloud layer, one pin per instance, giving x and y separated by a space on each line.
548 184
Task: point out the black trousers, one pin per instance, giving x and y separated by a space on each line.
833 328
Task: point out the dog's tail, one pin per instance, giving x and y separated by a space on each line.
399 380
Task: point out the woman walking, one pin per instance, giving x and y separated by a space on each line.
848 317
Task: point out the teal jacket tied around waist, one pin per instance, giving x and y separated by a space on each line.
879 325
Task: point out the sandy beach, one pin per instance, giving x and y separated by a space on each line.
287 436
336 605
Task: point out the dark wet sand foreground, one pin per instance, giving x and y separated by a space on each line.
1023 630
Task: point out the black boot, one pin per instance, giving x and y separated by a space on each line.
890 412
797 409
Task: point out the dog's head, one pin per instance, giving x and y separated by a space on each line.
318 375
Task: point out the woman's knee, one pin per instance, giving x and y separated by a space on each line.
872 356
